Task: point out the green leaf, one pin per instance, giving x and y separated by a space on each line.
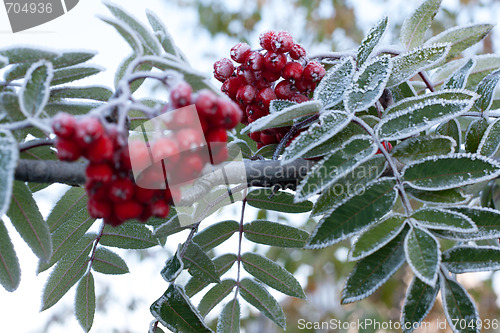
490 142
35 91
162 34
172 226
474 134
423 255
330 90
222 264
28 221
18 55
485 64
464 259
215 234
9 154
416 24
459 79
215 295
326 127
67 271
336 165
450 171
487 221
459 307
91 92
438 218
127 33
3 61
354 214
72 107
85 302
255 294
285 117
414 149
373 271
486 89
275 234
370 41
272 274
175 311
450 196
422 113
280 202
461 38
73 201
10 271
229 319
368 84
74 73
376 236
278 105
173 266
407 65
199 264
128 236
108 262
451 129
420 298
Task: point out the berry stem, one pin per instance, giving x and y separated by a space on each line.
426 80
240 239
35 143
295 128
94 247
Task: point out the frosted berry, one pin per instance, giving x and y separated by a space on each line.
285 90
144 195
246 94
297 52
255 61
240 51
188 138
274 62
128 210
121 189
100 150
299 98
160 209
264 97
206 103
223 69
68 150
101 172
99 208
282 42
292 71
266 40
64 125
165 149
181 95
231 86
88 130
314 71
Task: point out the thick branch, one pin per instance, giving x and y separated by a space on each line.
37 171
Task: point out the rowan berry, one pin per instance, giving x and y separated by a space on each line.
223 69
64 125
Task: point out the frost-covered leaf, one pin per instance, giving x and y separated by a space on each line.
18 55
416 24
9 154
414 149
162 34
255 294
407 65
485 64
438 218
370 41
452 129
215 295
275 234
490 142
3 61
278 105
74 73
272 274
97 93
414 115
199 264
85 302
10 271
108 262
338 164
284 117
464 259
330 90
175 311
173 266
328 125
352 183
373 271
461 38
173 225
420 298
450 171
229 319
72 107
28 221
376 236
128 236
215 234
72 202
127 33
222 264
459 307
444 197
423 255
354 214
35 91
459 78
474 134
486 89
368 84
487 221
280 201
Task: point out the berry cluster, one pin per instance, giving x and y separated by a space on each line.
280 71
113 193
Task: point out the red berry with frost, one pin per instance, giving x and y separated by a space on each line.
139 155
305 86
282 42
266 40
165 149
68 150
223 69
387 146
181 95
100 150
160 209
128 210
297 52
188 138
314 71
64 125
121 189
274 62
228 115
206 103
143 195
246 74
255 136
99 208
240 51
264 97
231 86
101 172
255 61
285 90
292 71
271 76
268 139
220 156
217 135
193 163
182 118
246 94
88 130
299 98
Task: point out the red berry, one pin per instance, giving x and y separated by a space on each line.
266 40
282 42
297 52
182 118
240 51
181 95
128 210
268 139
228 115
305 86
223 69
292 71
100 150
193 163
247 75
143 195
264 97
206 103
274 62
88 130
99 208
299 98
188 138
101 172
64 125
246 94
231 86
255 61
220 156
68 150
139 155
255 136
165 149
314 71
160 209
121 189
387 146
285 90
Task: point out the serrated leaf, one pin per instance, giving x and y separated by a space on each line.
35 90
222 264
330 90
368 84
28 221
490 142
215 234
376 236
414 149
474 134
27 54
354 214
485 64
319 132
71 107
10 271
9 154
407 65
438 218
416 24
459 79
423 113
278 105
464 259
487 221
420 298
486 89
67 271
423 255
451 129
461 38
459 307
370 41
229 319
284 117
175 311
199 264
91 92
173 266
74 200
255 294
444 197
128 236
173 225
450 171
162 33
215 295
85 302
74 73
108 262
336 165
281 201
272 274
127 33
275 234
373 271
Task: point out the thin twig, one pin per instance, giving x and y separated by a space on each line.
240 239
426 80
295 128
35 143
